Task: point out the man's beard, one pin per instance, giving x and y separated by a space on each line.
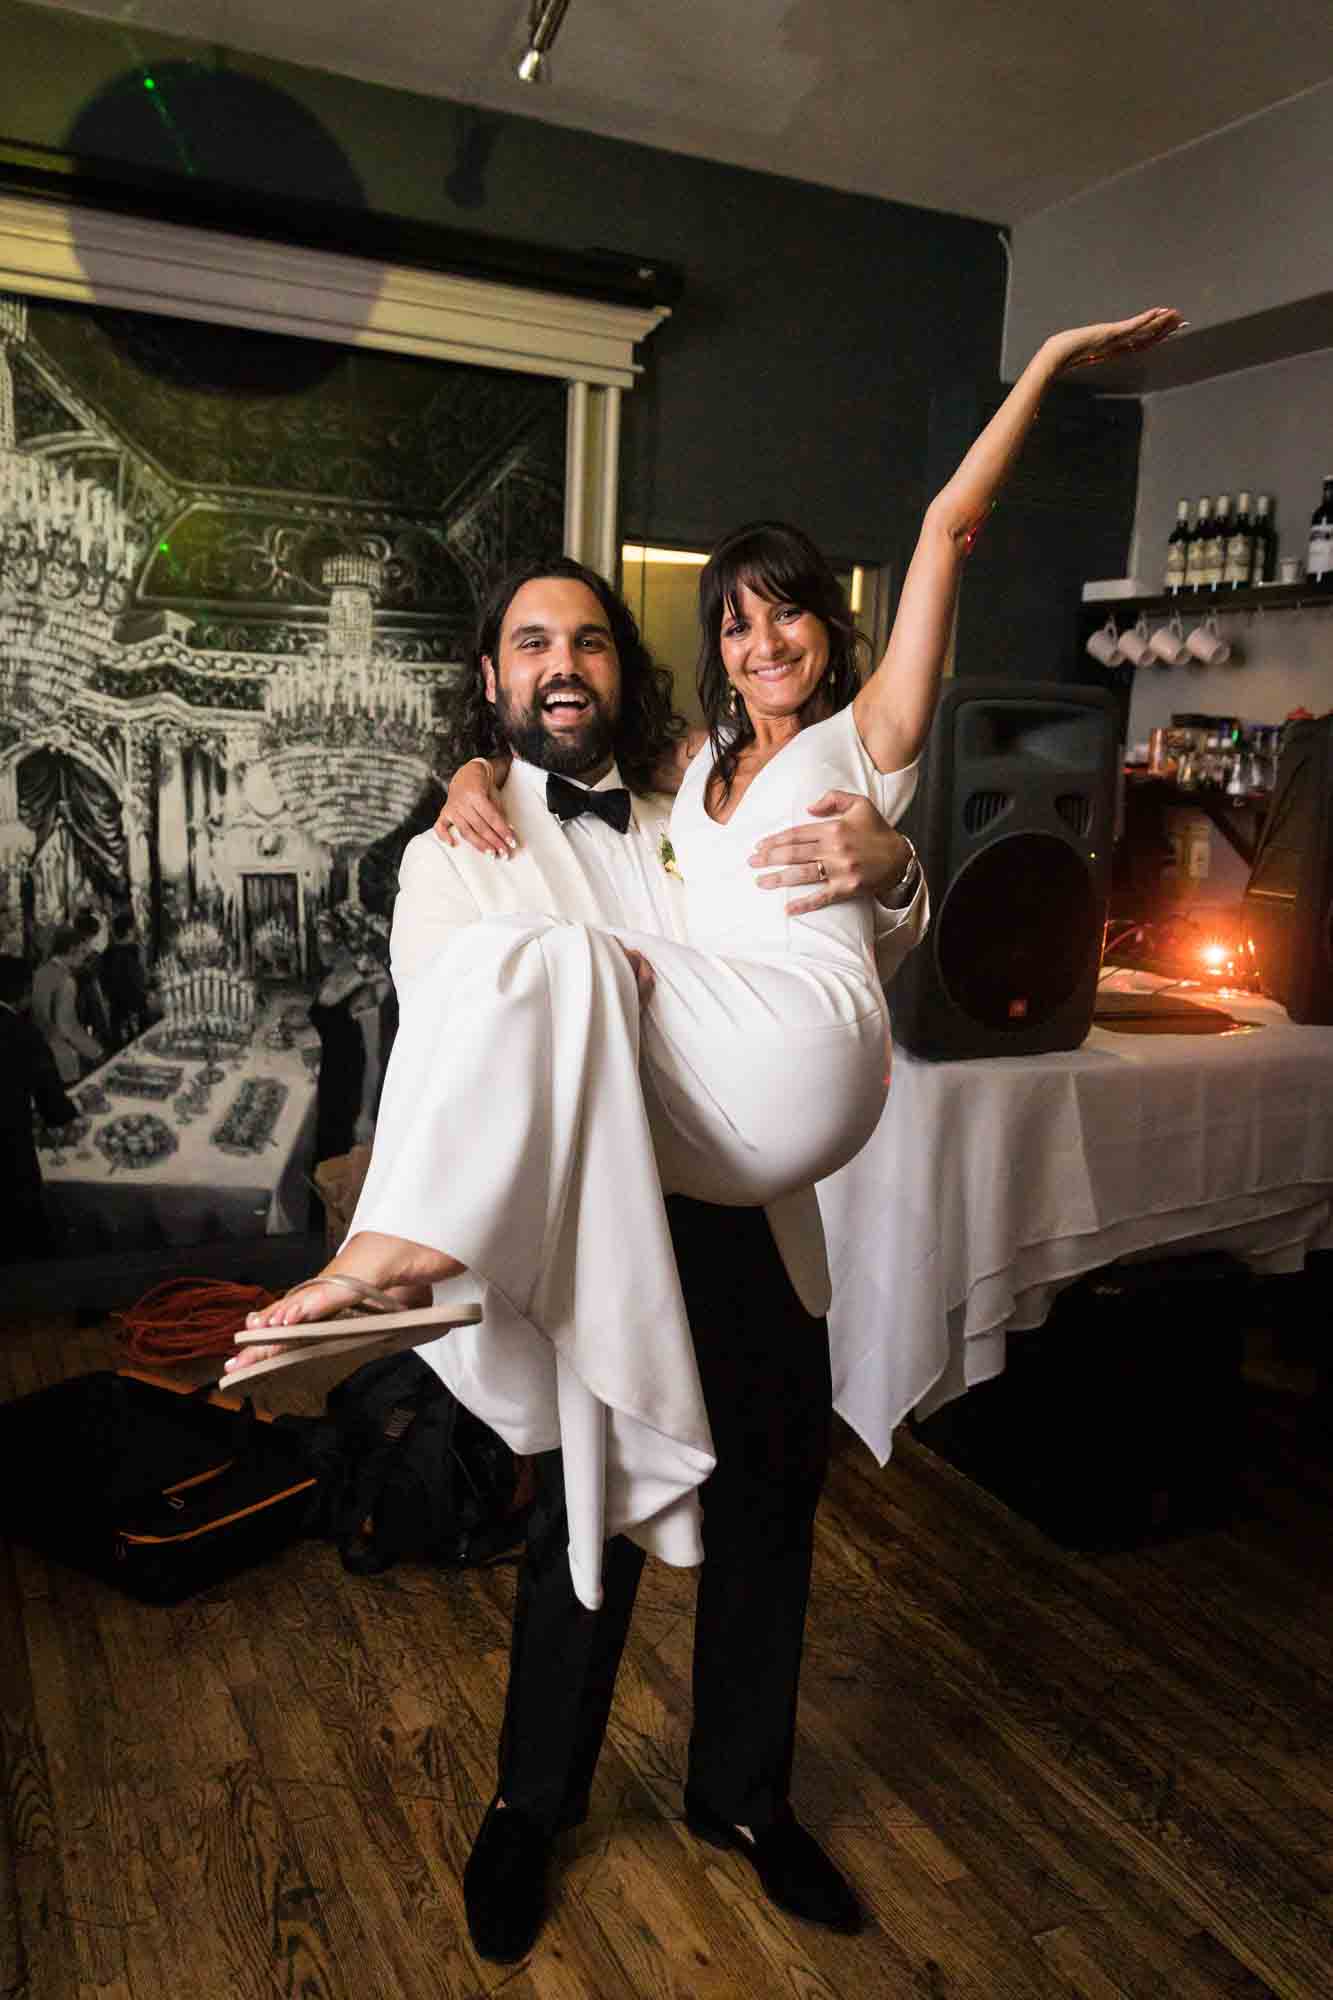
572 752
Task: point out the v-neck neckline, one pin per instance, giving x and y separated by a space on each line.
723 824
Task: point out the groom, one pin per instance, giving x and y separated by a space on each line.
564 681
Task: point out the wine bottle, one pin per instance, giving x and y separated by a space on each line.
1319 555
1198 540
1240 547
1215 547
1261 568
1177 550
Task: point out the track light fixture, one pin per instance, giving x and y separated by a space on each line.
544 18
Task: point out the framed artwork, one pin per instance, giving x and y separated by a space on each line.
238 576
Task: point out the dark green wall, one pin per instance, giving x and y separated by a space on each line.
797 371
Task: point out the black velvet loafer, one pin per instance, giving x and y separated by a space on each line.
795 1872
504 1884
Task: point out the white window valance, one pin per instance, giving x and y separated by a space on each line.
50 250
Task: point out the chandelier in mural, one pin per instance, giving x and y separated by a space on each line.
347 734
66 561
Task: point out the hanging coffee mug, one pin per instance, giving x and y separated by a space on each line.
1207 645
1104 645
1167 644
1136 646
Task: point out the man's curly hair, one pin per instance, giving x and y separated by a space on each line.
648 723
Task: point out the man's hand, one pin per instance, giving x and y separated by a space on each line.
473 811
857 853
644 976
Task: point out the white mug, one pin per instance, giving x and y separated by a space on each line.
1104 645
1207 645
1136 645
1168 644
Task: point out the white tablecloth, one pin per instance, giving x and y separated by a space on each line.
990 1185
198 1192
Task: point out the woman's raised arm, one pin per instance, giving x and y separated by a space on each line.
894 709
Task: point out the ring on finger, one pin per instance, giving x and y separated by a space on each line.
821 872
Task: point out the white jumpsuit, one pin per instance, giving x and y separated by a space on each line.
523 1058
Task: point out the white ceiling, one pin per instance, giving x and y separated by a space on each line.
992 108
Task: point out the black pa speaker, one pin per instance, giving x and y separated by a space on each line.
1013 821
1289 897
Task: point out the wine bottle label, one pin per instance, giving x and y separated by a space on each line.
1210 569
1175 566
1319 557
1240 553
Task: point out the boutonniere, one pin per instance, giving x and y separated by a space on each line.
666 854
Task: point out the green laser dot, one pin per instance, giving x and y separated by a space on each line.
150 83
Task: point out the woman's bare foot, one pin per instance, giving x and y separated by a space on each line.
392 1264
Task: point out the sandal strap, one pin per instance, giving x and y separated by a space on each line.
364 1294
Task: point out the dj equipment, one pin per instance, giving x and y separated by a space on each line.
1288 900
1013 821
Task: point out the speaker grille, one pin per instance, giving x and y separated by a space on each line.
1018 931
1075 809
982 809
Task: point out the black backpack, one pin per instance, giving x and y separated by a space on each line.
406 1473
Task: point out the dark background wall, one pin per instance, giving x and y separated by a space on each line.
796 373
1065 515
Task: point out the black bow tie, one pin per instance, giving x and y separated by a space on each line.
567 801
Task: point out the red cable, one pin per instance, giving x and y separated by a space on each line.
184 1319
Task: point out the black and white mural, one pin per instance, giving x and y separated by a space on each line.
237 590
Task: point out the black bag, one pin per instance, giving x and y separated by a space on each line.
406 1473
158 1490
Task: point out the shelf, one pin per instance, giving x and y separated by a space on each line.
1198 603
1213 804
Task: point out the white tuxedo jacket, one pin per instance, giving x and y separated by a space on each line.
442 888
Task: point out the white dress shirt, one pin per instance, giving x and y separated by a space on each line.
624 871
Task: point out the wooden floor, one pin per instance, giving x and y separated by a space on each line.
1050 1775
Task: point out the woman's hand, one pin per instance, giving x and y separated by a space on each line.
1085 346
472 808
857 853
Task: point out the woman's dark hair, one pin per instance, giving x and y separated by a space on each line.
648 724
15 979
781 564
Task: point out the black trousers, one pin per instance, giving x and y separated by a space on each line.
764 1365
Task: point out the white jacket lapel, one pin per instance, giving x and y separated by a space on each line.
542 875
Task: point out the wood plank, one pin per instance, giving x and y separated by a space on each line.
1049 1774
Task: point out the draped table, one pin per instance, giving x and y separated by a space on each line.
200 1190
988 1186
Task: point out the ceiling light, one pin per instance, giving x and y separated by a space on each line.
544 20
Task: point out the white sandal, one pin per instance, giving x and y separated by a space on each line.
386 1330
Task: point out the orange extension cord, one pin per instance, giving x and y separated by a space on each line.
186 1318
